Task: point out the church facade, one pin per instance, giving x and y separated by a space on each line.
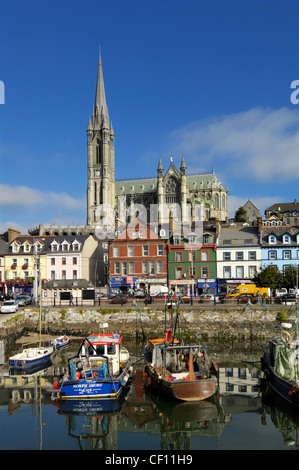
173 191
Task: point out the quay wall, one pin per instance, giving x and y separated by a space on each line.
215 323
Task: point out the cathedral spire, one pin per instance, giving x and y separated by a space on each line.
100 117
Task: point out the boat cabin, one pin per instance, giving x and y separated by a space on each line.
104 347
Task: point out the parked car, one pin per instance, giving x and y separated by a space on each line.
9 306
244 298
287 298
208 297
22 300
140 294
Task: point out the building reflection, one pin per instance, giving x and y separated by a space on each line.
96 425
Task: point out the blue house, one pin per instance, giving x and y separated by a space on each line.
279 246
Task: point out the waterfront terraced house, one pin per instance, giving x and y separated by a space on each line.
238 255
192 262
279 246
137 258
50 257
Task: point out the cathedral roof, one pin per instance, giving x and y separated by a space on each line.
149 185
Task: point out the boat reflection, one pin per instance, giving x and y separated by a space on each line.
283 415
93 424
182 420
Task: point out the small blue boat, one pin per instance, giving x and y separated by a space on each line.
101 369
31 358
60 343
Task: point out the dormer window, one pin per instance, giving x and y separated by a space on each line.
15 247
65 246
206 238
76 246
27 247
286 239
54 246
38 246
272 239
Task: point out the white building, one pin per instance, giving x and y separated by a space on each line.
238 254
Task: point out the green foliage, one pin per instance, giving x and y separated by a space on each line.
282 316
290 276
240 215
270 276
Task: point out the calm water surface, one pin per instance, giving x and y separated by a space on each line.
244 416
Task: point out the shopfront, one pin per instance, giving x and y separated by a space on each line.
206 286
121 285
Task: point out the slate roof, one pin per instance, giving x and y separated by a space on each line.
284 206
238 236
279 231
149 185
67 284
46 240
3 246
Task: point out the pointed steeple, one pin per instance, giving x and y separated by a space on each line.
160 168
100 116
183 166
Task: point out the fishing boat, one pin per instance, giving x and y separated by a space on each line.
100 369
280 362
179 371
60 343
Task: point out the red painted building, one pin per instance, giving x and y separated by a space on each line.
137 259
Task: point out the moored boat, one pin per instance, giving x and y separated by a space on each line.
61 342
281 363
31 358
179 371
101 369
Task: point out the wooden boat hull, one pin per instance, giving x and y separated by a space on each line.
30 358
186 390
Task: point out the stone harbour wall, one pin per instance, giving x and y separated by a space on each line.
213 323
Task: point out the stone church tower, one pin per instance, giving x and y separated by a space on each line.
100 151
172 188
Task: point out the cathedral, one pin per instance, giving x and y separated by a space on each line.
172 192
174 189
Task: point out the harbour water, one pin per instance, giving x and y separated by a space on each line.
245 416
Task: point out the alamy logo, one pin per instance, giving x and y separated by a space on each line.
2 93
295 95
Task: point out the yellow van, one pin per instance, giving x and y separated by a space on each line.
250 289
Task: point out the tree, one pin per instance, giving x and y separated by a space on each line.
290 277
270 276
240 215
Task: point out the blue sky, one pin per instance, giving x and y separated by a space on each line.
207 79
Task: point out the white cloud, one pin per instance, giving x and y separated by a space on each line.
25 197
260 143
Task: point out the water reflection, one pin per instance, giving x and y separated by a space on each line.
105 424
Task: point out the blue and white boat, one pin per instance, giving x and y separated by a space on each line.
101 369
61 342
31 358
